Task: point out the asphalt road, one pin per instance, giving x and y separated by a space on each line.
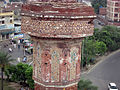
16 52
96 25
105 72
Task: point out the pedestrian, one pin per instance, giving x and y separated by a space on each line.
18 59
10 41
14 45
24 59
18 41
18 46
22 88
10 50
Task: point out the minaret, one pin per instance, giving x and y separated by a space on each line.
57 30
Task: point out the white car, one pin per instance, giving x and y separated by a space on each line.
112 86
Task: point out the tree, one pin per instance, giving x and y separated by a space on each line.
86 85
28 75
106 39
21 73
110 35
100 48
18 73
4 60
9 71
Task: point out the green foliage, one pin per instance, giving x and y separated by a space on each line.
86 85
21 68
97 3
5 58
20 73
28 75
4 61
106 39
100 48
110 35
91 49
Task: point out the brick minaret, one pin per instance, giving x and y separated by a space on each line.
57 30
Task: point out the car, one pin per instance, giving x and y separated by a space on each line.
112 86
101 23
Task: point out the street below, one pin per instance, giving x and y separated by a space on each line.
105 72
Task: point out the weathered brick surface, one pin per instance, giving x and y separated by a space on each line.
62 20
52 1
56 61
57 30
59 9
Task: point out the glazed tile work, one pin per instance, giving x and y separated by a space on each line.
57 30
55 61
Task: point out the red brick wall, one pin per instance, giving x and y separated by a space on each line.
77 28
56 62
51 0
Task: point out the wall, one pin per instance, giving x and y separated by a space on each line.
56 62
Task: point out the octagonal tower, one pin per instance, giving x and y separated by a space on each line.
57 30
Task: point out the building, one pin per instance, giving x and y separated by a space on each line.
16 7
6 24
102 11
113 12
57 30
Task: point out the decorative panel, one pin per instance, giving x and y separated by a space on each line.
74 59
55 64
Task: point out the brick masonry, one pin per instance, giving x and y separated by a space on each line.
57 28
57 31
56 62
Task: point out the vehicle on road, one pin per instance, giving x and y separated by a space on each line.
100 23
112 86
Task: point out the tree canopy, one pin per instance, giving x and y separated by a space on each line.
4 61
86 85
106 39
21 73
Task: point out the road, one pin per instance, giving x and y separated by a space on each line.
96 25
105 72
16 52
